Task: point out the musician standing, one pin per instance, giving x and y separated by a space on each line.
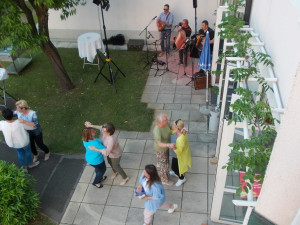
184 51
203 31
166 17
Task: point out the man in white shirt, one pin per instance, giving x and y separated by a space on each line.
16 136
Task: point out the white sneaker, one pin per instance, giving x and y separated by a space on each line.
35 158
34 164
172 173
180 182
171 210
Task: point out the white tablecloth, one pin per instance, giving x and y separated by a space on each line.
88 43
3 74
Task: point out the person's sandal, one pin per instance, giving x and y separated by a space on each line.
103 179
100 186
124 182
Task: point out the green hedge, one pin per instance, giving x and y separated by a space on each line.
18 201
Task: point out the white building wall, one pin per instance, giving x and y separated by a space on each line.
128 17
280 197
277 23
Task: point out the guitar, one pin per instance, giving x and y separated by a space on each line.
160 25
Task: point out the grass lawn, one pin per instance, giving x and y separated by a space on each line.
62 115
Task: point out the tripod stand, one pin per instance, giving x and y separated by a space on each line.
146 40
108 61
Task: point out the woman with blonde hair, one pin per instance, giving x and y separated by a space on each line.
24 113
181 154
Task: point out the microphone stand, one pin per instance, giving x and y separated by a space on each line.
167 61
156 60
146 38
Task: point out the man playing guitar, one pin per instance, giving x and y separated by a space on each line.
164 25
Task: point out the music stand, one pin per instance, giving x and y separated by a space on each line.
108 60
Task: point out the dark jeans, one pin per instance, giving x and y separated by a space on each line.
38 139
165 35
175 168
99 170
183 52
115 165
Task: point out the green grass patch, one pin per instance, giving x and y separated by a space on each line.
62 115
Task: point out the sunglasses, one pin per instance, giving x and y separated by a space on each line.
166 9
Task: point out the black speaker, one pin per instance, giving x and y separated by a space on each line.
195 3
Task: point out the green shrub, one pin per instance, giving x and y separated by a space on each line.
18 201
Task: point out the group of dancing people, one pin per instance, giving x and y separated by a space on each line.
22 134
167 138
182 41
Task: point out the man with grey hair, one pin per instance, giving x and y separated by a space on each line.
162 134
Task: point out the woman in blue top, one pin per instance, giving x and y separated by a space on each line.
94 158
155 194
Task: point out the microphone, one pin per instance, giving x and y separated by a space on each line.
154 17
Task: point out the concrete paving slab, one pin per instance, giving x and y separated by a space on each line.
79 192
70 213
114 215
163 218
155 105
135 216
95 195
198 149
211 183
88 214
131 173
151 89
149 98
179 98
191 107
87 174
131 160
171 106
164 89
145 135
194 202
193 219
128 134
134 146
147 159
165 98
180 114
120 196
184 90
149 148
195 182
199 165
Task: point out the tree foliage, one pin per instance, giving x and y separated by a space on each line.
24 25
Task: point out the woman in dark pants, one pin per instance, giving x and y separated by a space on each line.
23 112
94 158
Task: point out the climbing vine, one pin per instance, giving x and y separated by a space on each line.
250 155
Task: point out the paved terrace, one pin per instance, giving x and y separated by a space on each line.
115 204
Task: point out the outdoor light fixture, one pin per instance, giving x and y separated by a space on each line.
104 4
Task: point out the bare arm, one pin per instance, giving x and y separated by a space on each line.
165 145
93 148
26 122
88 124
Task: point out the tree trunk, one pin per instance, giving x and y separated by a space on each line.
50 50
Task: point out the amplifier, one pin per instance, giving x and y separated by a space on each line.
200 81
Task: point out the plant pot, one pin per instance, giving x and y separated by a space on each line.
214 120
